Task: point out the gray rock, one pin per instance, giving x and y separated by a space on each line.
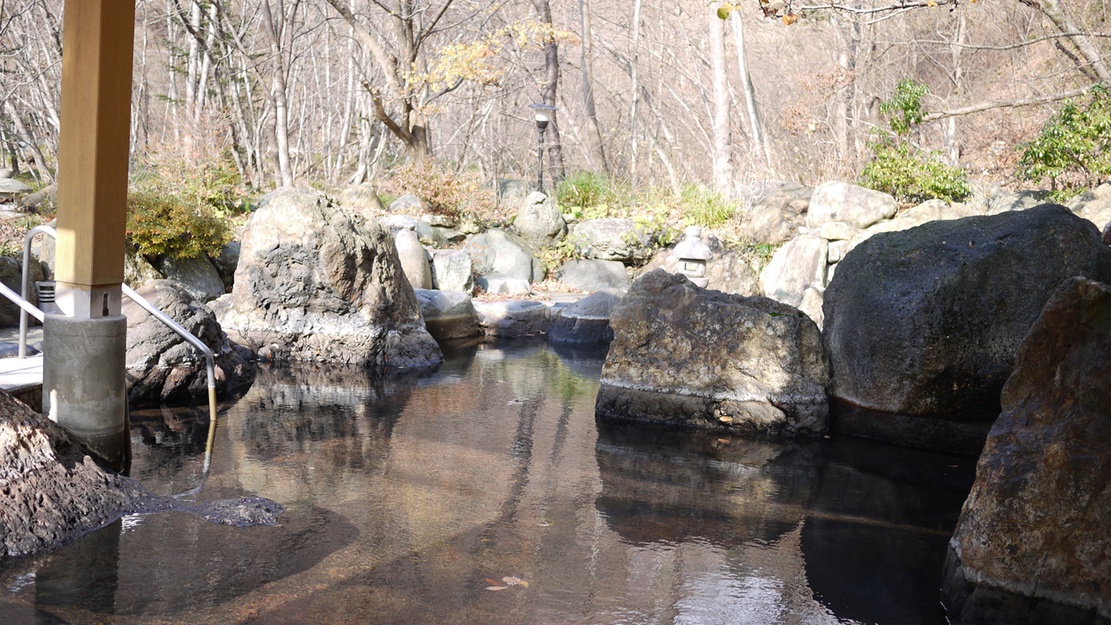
451 271
850 203
922 326
408 204
43 201
138 271
11 274
426 233
362 198
512 318
161 366
504 285
197 275
1032 545
497 252
539 221
315 282
1094 205
837 231
796 266
613 239
448 315
700 359
513 192
776 217
414 259
226 262
593 275
585 322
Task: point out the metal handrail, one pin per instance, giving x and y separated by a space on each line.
26 307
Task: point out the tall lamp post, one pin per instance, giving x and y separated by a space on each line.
543 116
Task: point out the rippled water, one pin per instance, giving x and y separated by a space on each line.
406 500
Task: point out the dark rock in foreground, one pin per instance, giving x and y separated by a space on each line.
693 358
161 366
922 326
1032 544
319 283
52 491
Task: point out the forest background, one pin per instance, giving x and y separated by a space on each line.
680 97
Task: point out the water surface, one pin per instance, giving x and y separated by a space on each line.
408 499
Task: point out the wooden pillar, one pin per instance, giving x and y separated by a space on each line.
84 349
98 40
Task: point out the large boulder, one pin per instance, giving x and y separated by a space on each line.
1032 544
315 282
448 315
613 239
694 358
922 325
161 365
585 322
197 274
451 271
539 220
1094 205
512 318
797 265
776 216
593 275
498 253
850 203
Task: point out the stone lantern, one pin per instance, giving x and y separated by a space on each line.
692 254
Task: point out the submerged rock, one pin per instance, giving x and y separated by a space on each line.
922 326
693 358
1032 544
162 366
315 282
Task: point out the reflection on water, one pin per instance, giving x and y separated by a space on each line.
407 498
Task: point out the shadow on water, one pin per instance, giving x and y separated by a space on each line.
875 519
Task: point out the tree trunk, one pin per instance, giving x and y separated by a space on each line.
1083 44
759 133
597 145
723 167
634 75
278 97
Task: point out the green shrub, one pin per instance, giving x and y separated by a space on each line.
913 176
165 225
1073 149
179 204
909 173
590 195
704 207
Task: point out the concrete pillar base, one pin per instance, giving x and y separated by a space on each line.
84 387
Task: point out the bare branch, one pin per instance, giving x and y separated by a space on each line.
987 106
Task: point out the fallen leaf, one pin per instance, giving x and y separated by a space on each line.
496 587
524 584
491 582
511 581
725 419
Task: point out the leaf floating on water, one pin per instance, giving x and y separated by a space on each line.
496 587
492 582
524 584
511 581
